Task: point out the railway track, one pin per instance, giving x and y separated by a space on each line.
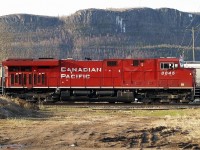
120 106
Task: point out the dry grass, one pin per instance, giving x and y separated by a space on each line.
189 122
87 127
12 108
186 119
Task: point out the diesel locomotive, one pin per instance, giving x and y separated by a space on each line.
152 80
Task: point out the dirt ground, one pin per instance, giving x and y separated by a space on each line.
85 128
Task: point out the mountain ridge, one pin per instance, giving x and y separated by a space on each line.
102 33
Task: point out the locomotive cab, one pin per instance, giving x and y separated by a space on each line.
168 84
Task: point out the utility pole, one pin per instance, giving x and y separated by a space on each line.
193 40
193 44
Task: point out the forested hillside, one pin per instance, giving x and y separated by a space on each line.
99 34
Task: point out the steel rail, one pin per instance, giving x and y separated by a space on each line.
121 106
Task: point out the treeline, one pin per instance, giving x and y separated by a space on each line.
100 34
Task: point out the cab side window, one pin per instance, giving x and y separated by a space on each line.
167 65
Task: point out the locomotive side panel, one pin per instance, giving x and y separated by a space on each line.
29 73
80 74
150 73
140 73
112 71
94 74
46 76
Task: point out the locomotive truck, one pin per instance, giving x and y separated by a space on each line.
156 80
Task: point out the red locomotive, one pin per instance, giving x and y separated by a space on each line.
112 80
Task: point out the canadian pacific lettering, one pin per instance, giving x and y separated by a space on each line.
64 69
75 76
76 73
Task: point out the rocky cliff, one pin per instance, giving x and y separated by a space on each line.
99 34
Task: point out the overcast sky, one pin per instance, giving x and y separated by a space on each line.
67 7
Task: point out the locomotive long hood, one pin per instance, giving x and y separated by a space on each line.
31 62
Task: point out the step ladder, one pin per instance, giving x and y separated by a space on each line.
197 92
1 90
